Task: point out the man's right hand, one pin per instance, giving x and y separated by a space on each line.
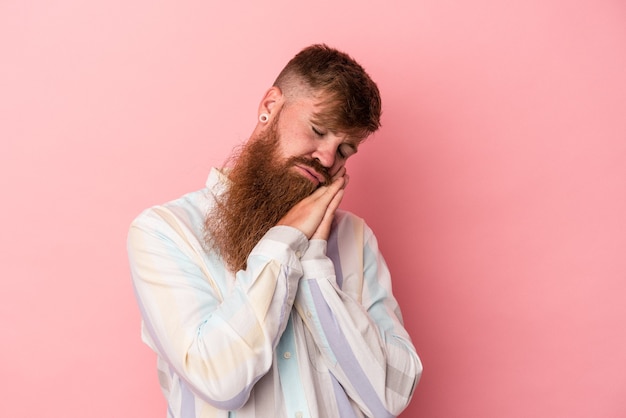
313 215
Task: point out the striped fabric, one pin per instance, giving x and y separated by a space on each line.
310 329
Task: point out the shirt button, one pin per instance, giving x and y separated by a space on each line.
299 254
287 355
298 414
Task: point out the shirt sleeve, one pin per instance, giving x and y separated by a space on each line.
360 334
219 338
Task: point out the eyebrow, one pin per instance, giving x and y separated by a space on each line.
322 118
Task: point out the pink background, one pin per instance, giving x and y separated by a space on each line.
497 186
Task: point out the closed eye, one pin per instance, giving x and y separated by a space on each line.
346 150
317 131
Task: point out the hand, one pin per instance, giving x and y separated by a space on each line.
314 214
323 230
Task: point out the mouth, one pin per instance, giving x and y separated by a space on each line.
311 174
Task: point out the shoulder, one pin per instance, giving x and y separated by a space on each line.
344 218
346 222
190 208
187 211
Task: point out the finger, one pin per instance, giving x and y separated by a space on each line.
326 193
332 207
323 230
331 190
334 203
346 180
340 173
307 214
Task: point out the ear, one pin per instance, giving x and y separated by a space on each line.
271 102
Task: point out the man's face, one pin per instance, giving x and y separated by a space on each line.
263 187
285 161
317 152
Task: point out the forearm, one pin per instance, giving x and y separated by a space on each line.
218 334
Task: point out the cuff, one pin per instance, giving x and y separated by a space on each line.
315 263
282 243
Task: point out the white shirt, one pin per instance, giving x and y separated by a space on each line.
309 329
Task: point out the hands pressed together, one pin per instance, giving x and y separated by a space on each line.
314 214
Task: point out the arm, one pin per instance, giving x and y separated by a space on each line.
358 327
218 335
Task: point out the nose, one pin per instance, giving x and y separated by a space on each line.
326 153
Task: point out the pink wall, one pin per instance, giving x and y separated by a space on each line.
497 186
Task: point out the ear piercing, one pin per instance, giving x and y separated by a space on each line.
264 117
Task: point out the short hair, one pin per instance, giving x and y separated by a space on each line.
351 98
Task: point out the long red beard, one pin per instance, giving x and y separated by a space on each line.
262 189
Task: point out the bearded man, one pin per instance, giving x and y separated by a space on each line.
260 297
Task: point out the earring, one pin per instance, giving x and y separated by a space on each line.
264 117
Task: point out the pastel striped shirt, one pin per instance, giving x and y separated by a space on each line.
309 329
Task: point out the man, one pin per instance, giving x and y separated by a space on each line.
259 296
